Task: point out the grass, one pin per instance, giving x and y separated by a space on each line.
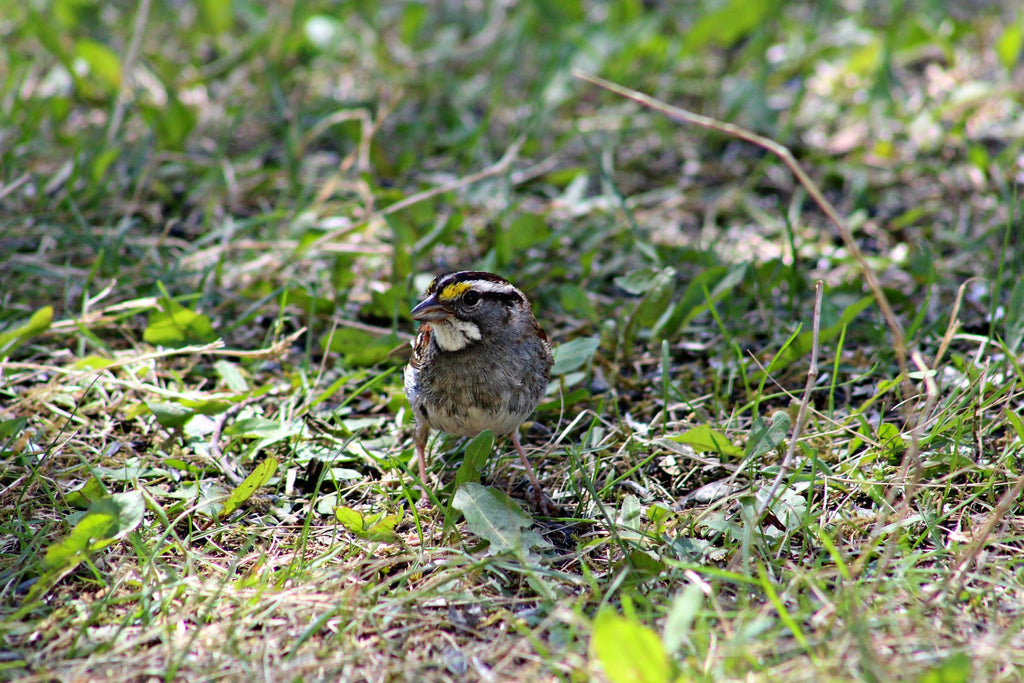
215 219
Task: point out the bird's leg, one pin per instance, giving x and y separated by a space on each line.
542 501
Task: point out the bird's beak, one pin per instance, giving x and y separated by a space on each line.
430 310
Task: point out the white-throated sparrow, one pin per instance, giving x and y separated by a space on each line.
479 361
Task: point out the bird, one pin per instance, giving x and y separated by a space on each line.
480 360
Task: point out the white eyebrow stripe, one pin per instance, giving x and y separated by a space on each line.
488 286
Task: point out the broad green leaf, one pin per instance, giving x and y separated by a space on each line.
525 231
231 375
1015 422
658 514
93 363
477 452
576 300
654 304
413 16
171 415
628 651
174 325
573 354
253 428
360 348
727 24
87 494
1010 43
639 281
172 121
101 164
866 59
12 427
104 64
954 669
638 565
38 323
496 518
891 440
268 432
243 492
392 301
765 436
979 158
183 466
630 517
210 405
704 439
107 520
370 526
218 16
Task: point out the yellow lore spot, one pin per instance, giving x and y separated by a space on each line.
453 291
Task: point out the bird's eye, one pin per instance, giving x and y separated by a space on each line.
472 298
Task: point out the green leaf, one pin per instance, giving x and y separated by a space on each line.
654 304
575 300
630 518
209 405
101 164
217 16
955 669
84 496
267 431
1010 43
370 526
704 439
174 325
414 14
171 415
172 121
93 363
360 348
628 651
496 518
38 323
477 452
107 520
765 437
12 427
1015 422
891 440
639 281
183 466
573 354
104 64
727 24
525 231
231 375
243 492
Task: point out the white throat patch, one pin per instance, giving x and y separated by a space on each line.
454 334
